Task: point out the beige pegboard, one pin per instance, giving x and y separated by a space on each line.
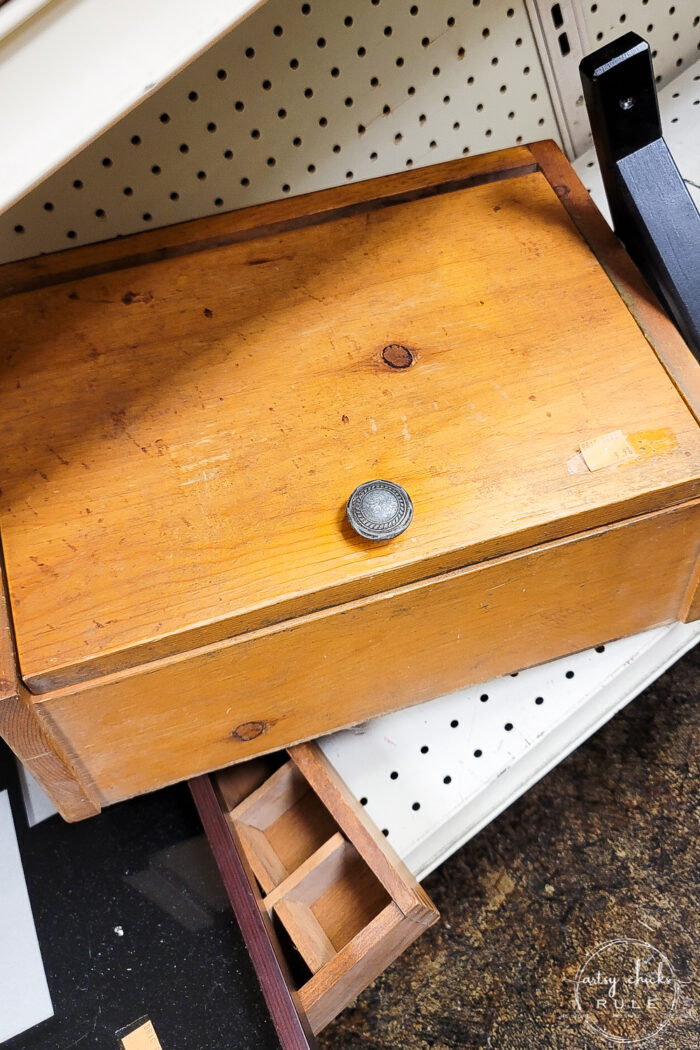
299 97
672 29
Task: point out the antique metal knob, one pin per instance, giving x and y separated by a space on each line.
380 510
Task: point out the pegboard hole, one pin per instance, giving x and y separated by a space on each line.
135 140
478 753
484 698
363 801
48 206
425 749
569 674
447 779
394 775
508 727
415 807
193 97
539 700
454 723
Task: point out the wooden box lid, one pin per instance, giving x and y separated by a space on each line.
188 411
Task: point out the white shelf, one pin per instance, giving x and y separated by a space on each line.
402 760
70 68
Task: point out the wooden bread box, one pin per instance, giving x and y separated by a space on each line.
188 410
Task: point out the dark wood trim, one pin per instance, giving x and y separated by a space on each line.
262 220
659 331
291 1025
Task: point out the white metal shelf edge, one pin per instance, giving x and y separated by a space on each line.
70 68
434 775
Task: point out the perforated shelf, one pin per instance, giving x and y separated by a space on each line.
299 97
433 775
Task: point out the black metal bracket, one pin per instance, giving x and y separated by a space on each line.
653 213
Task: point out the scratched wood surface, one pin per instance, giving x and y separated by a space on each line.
185 433
133 732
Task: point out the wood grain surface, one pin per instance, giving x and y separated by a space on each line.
136 731
191 408
288 1015
186 433
213 231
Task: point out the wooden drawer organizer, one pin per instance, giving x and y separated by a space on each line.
322 900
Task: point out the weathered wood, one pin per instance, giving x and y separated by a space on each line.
340 904
289 1018
354 966
21 728
185 432
666 341
690 606
372 846
137 731
198 493
198 235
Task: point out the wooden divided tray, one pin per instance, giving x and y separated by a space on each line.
322 900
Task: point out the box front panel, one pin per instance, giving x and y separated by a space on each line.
135 732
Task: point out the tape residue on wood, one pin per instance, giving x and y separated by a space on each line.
607 450
142 1038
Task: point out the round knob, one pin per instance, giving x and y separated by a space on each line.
379 510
